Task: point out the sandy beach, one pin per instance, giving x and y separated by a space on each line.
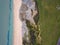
17 40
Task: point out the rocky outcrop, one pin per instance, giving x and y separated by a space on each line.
27 12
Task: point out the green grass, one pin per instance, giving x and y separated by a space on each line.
49 21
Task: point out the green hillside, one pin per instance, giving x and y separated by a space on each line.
49 21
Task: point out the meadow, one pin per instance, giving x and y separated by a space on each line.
49 18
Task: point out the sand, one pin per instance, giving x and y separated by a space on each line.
17 35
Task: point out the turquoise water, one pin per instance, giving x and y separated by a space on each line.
10 30
4 22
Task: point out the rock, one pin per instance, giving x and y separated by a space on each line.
58 42
27 12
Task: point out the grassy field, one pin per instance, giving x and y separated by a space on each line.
49 21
